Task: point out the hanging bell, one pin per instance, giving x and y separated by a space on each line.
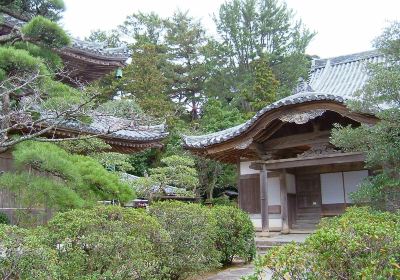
118 73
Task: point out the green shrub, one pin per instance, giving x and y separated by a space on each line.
235 234
24 256
108 243
361 244
193 235
223 201
4 219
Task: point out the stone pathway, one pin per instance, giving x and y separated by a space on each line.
234 273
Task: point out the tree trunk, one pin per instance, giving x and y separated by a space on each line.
5 113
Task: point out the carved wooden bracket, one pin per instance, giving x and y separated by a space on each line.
244 145
319 150
302 117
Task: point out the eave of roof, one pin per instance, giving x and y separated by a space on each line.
203 141
114 128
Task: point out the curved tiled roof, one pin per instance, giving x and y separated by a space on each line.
332 79
118 128
90 48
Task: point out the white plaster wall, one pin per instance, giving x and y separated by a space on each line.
332 188
245 168
274 191
352 180
290 183
274 224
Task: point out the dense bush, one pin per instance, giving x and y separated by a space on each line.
361 244
4 219
175 241
235 234
108 243
24 256
222 201
193 234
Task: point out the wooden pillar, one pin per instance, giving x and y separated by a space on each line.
264 200
284 202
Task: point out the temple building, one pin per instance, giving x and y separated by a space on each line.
87 62
290 173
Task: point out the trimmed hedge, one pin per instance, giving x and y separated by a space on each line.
192 229
174 240
360 244
108 243
235 234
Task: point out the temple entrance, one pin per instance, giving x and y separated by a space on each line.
308 201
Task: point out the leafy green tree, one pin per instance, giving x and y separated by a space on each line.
252 29
144 78
111 39
60 180
212 174
185 37
381 142
26 9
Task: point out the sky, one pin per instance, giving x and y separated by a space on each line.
342 26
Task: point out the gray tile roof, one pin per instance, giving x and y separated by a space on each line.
333 79
118 128
91 48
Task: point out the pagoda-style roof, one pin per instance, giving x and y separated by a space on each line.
331 82
87 61
121 134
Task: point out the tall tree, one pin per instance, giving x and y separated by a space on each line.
265 28
185 37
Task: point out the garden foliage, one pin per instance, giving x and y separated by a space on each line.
175 240
235 234
361 244
192 229
60 180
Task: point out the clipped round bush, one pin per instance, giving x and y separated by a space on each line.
235 234
24 256
108 243
193 234
4 219
360 244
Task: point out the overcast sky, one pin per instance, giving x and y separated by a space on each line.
343 26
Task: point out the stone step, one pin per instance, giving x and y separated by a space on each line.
262 249
308 210
307 221
304 226
266 242
302 231
308 215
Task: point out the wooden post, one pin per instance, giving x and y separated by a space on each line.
264 200
284 203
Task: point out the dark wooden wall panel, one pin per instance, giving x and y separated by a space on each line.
291 199
334 209
249 193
